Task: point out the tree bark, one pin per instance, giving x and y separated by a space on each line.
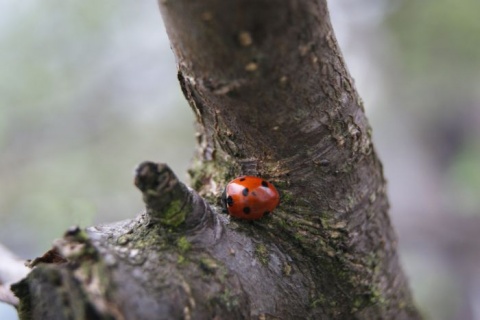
273 98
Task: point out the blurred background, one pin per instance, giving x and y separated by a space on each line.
88 90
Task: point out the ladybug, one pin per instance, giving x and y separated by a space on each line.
250 198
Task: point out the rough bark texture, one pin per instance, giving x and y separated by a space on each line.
273 98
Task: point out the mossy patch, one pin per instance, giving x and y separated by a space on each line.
208 265
228 300
286 198
181 259
262 254
175 214
183 244
319 301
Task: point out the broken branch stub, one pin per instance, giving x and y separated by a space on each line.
167 200
164 264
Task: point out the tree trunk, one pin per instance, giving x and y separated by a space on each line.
273 98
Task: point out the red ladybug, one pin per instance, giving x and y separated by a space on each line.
250 197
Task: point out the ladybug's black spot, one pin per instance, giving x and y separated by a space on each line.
266 213
242 179
246 210
229 201
264 184
245 192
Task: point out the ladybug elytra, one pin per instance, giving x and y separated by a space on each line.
250 198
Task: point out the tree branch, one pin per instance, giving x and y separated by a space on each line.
273 98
